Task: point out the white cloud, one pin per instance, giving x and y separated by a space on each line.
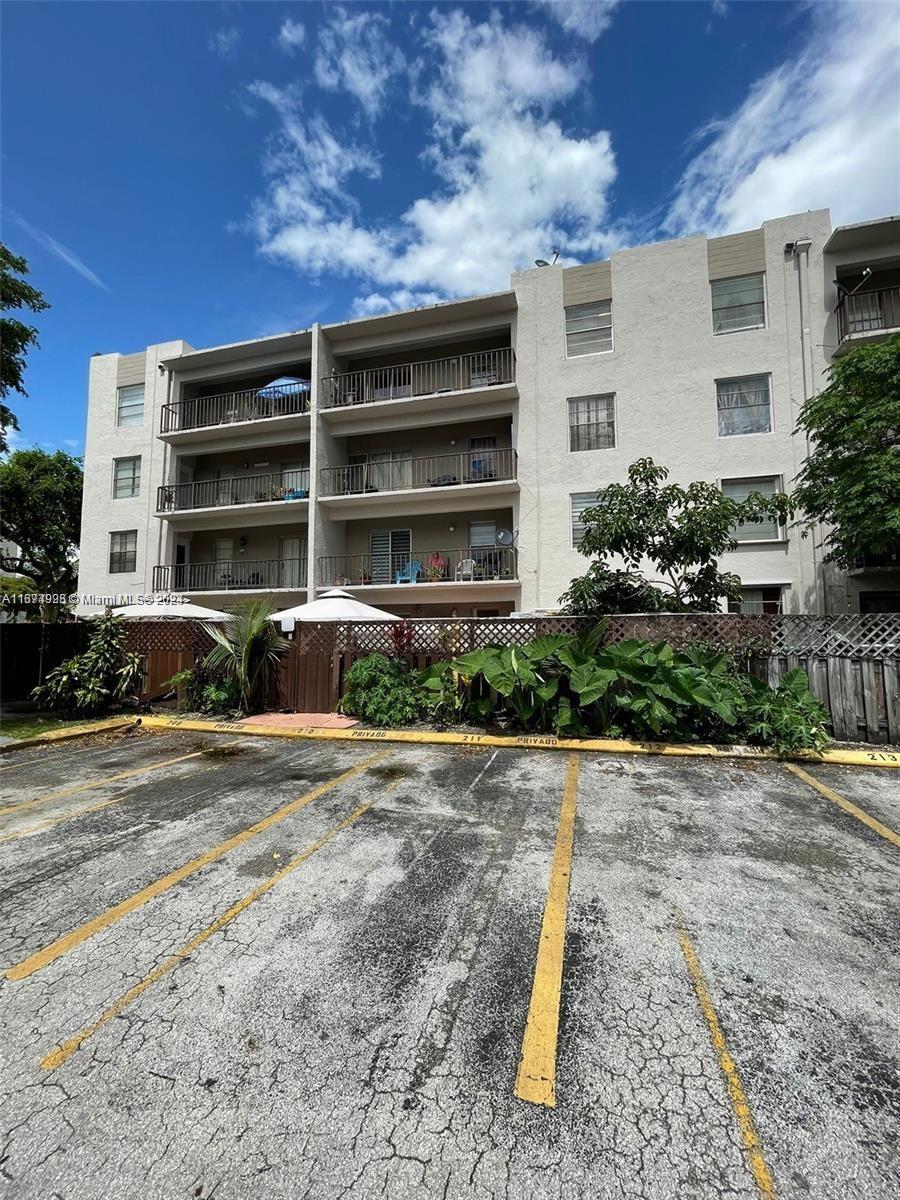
511 181
820 131
355 55
395 301
719 7
291 35
69 257
224 42
307 156
584 18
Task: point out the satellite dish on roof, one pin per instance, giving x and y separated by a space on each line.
505 537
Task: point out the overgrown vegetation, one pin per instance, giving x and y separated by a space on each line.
679 531
205 691
572 687
90 683
851 479
383 691
246 651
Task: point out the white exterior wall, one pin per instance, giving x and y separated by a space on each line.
104 442
663 370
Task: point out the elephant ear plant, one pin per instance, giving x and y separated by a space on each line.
247 648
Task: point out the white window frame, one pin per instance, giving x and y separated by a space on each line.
571 401
590 504
587 353
738 379
135 476
122 533
734 279
120 411
781 537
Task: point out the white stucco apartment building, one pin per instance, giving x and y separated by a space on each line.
435 461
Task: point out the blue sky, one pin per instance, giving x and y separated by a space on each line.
220 171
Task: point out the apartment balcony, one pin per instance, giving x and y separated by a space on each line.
867 317
232 575
490 572
461 481
486 376
279 498
275 408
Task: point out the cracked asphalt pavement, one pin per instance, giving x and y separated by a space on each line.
333 1004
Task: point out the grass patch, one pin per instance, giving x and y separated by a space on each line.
34 724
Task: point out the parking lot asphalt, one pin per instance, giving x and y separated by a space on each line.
238 968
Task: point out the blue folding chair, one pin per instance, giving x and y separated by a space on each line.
409 573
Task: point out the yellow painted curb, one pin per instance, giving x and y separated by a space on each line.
64 735
855 758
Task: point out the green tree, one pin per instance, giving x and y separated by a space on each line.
851 478
16 338
679 531
247 649
41 515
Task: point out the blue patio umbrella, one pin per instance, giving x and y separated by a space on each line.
284 385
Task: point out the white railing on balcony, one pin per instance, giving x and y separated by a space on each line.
471 564
253 404
236 574
403 474
239 489
485 368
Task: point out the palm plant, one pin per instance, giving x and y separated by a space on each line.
246 649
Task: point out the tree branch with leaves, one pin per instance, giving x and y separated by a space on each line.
679 531
16 337
850 480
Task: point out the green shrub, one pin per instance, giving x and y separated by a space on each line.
382 691
639 690
105 674
205 690
788 718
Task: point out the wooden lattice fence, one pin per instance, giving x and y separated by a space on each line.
853 662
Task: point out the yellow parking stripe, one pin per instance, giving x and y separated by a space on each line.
536 1077
759 1168
534 741
55 950
846 805
65 1051
95 783
49 822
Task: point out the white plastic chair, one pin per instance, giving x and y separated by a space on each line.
465 569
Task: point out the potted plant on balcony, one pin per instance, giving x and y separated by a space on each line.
435 566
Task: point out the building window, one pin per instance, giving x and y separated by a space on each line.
589 328
592 422
123 552
757 600
767 530
126 478
744 405
130 405
738 303
580 501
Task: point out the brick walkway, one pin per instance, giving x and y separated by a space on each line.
295 720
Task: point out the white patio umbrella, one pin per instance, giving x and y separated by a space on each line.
334 606
160 611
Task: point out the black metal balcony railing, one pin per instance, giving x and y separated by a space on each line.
472 564
255 404
241 489
463 372
230 575
403 474
868 312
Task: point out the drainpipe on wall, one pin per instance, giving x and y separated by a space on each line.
800 252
